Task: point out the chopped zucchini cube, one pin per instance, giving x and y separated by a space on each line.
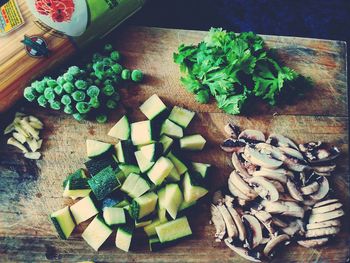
160 170
123 238
181 116
171 129
83 209
96 148
193 190
128 169
192 142
173 230
141 133
141 186
152 151
167 143
143 163
114 215
150 229
121 130
153 107
179 165
75 185
95 165
129 183
174 176
125 152
173 199
63 222
143 205
104 183
96 233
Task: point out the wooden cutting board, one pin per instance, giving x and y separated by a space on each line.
30 190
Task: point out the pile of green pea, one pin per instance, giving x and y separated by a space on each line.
87 92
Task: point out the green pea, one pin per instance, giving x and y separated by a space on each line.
108 47
49 94
98 67
39 86
108 90
136 75
55 105
117 68
109 73
81 84
29 93
66 99
78 95
101 118
126 74
68 109
111 104
68 87
58 89
83 107
74 70
79 116
97 82
115 55
51 83
68 77
94 102
60 80
42 101
93 91
96 57
107 61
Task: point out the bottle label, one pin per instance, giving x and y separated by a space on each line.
10 17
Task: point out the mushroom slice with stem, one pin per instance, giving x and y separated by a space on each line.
245 253
314 242
238 166
273 243
318 218
270 150
326 208
266 219
280 140
322 191
293 191
232 145
320 232
310 189
266 189
292 152
236 218
254 231
253 136
242 185
263 160
294 165
329 223
272 175
294 227
218 222
232 130
237 193
230 225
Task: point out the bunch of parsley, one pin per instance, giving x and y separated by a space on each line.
234 68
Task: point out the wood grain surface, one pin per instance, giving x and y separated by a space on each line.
30 190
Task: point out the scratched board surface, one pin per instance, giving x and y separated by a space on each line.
30 190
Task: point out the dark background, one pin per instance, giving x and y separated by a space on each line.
328 19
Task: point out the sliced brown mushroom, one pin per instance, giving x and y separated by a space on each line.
236 218
293 191
271 150
230 225
294 165
265 189
242 185
318 218
263 160
279 186
232 145
326 202
322 191
245 253
294 227
254 226
280 140
334 222
237 193
278 222
284 208
314 242
292 152
326 208
324 169
310 189
320 232
273 243
252 136
272 175
238 166
318 152
218 222
266 219
232 130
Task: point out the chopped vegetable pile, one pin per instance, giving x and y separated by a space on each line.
25 131
88 91
234 68
141 182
